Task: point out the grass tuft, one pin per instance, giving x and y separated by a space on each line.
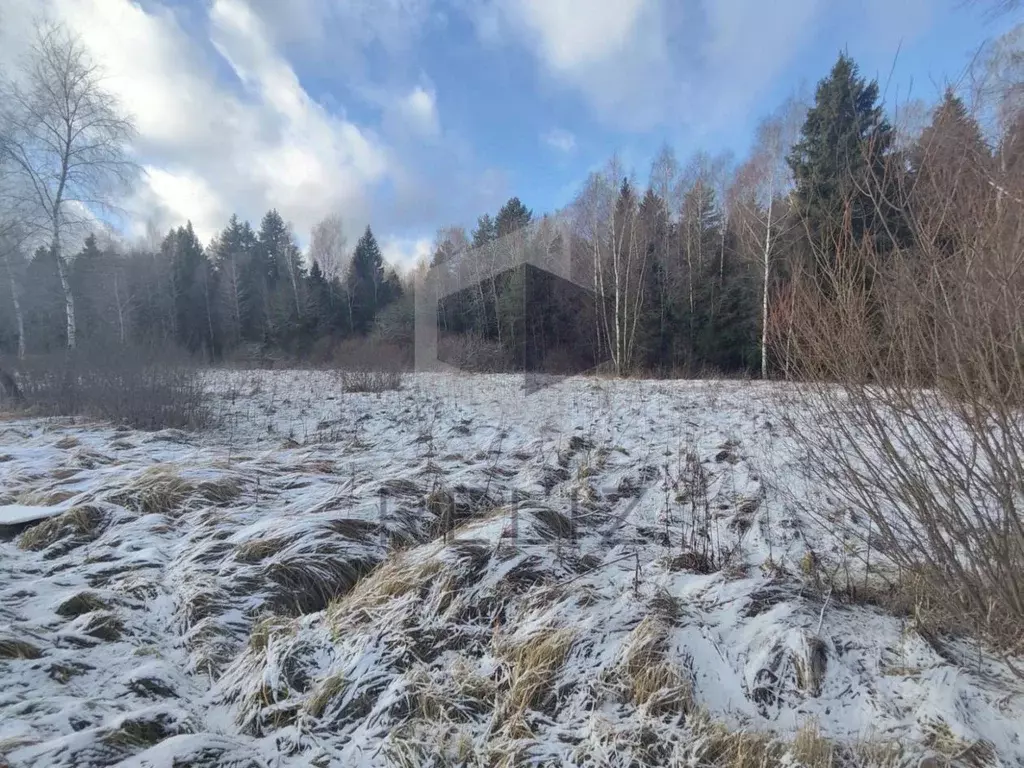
532 667
104 625
221 491
81 603
159 490
649 679
325 692
78 524
258 550
371 381
15 648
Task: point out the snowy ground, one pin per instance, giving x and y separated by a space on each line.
603 573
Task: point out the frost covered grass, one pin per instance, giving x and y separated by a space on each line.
608 573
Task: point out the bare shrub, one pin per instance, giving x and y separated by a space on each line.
371 354
474 353
370 381
140 388
912 414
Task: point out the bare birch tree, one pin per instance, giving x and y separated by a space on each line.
67 141
10 246
327 246
761 182
608 221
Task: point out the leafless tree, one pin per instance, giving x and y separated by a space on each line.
67 141
11 237
327 246
760 183
664 178
612 229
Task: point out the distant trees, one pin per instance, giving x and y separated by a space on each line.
712 265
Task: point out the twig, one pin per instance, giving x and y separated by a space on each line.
821 616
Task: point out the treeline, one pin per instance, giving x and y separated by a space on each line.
247 290
706 267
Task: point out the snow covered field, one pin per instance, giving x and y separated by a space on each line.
604 573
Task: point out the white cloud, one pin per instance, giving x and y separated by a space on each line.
575 34
184 196
211 149
643 63
405 252
226 125
418 112
560 140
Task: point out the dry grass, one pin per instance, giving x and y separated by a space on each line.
715 745
532 666
139 732
649 680
957 751
308 583
46 497
81 603
159 490
79 524
221 491
15 648
257 550
325 692
396 577
104 625
370 381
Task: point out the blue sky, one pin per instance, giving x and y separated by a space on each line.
415 114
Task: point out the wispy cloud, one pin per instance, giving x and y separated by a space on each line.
560 140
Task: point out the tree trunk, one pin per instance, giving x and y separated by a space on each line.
16 301
65 286
764 293
295 287
120 309
9 387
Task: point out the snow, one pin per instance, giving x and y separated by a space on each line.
572 509
16 514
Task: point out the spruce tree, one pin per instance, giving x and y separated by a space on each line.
190 302
839 162
87 281
233 252
486 231
512 216
365 283
950 167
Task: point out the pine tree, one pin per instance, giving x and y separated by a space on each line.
190 304
512 216
839 159
368 287
950 167
232 252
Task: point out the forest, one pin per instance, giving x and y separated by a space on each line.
710 267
